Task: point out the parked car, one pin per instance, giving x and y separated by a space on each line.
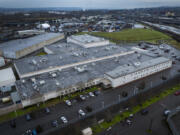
144 112
68 102
13 123
64 119
166 112
177 93
81 112
82 97
129 122
28 117
47 110
91 94
54 123
34 132
131 116
28 132
96 93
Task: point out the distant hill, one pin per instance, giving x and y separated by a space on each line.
40 9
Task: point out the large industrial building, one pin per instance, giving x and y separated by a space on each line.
18 48
87 41
71 67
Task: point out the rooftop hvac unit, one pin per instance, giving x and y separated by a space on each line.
23 81
34 62
53 75
24 94
137 63
57 83
41 82
35 87
33 80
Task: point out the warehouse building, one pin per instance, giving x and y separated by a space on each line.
70 55
42 87
128 73
87 41
7 79
71 67
18 48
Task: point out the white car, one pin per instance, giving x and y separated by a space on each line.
82 97
129 122
81 112
68 102
91 94
64 119
167 112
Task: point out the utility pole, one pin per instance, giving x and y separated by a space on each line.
102 104
150 125
119 97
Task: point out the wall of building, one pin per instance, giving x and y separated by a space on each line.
60 92
88 45
139 74
35 47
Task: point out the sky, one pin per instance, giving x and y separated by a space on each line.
108 4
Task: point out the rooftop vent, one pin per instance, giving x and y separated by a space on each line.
137 63
41 82
34 62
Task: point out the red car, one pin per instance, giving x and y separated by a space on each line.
177 93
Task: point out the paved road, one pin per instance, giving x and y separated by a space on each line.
141 123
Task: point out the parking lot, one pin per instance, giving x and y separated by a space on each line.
141 123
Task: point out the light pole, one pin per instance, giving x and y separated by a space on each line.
102 104
119 97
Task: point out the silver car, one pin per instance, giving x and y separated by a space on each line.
81 112
68 102
91 94
64 119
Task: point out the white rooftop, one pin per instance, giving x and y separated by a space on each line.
6 76
87 40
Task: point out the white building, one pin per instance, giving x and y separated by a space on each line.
87 41
2 62
7 79
128 73
21 47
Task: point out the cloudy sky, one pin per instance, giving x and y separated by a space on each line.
114 4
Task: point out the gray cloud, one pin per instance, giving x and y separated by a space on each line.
89 3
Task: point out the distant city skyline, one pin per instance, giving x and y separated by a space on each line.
88 4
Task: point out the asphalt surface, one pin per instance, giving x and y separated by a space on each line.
140 123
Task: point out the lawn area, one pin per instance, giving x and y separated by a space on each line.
41 53
136 35
119 117
48 103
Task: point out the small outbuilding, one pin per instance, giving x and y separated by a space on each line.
7 79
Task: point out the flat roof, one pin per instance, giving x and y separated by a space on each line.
65 53
70 77
19 44
6 75
135 66
87 38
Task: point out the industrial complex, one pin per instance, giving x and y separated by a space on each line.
70 67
